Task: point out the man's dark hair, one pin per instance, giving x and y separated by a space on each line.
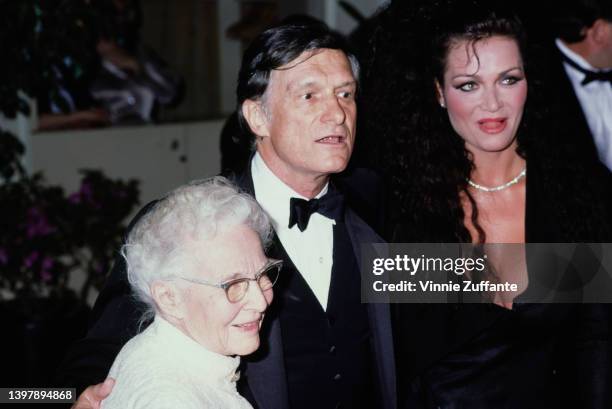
278 46
572 17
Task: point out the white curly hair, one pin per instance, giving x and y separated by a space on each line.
155 247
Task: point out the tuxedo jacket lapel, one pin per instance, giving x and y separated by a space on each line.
265 369
379 314
573 127
244 180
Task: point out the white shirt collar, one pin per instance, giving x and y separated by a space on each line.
577 58
273 194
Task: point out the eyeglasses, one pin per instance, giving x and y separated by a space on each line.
236 289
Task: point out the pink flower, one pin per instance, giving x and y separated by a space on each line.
86 191
37 224
31 259
45 276
75 198
3 257
47 263
45 273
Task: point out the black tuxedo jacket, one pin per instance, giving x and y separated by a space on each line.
570 123
115 316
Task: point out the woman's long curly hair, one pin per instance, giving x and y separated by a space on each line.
407 136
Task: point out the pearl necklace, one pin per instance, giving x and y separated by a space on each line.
500 187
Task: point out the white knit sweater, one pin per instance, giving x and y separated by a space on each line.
164 368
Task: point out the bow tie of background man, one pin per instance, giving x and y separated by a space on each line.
589 75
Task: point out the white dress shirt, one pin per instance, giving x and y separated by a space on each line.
164 368
311 250
596 101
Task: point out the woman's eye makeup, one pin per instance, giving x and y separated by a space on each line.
511 79
466 86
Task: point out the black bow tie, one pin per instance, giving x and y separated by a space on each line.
589 76
330 205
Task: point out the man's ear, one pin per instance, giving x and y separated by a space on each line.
168 298
440 94
253 112
600 31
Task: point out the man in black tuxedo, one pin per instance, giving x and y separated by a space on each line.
321 347
581 80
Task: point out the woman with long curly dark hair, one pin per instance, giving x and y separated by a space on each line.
406 133
454 113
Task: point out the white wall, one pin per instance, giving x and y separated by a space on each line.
142 152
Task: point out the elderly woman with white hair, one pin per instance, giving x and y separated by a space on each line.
197 262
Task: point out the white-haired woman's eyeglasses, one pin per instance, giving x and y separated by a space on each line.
236 289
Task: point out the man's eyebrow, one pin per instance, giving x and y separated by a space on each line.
300 85
347 84
309 84
501 74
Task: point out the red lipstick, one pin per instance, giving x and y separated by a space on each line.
492 125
